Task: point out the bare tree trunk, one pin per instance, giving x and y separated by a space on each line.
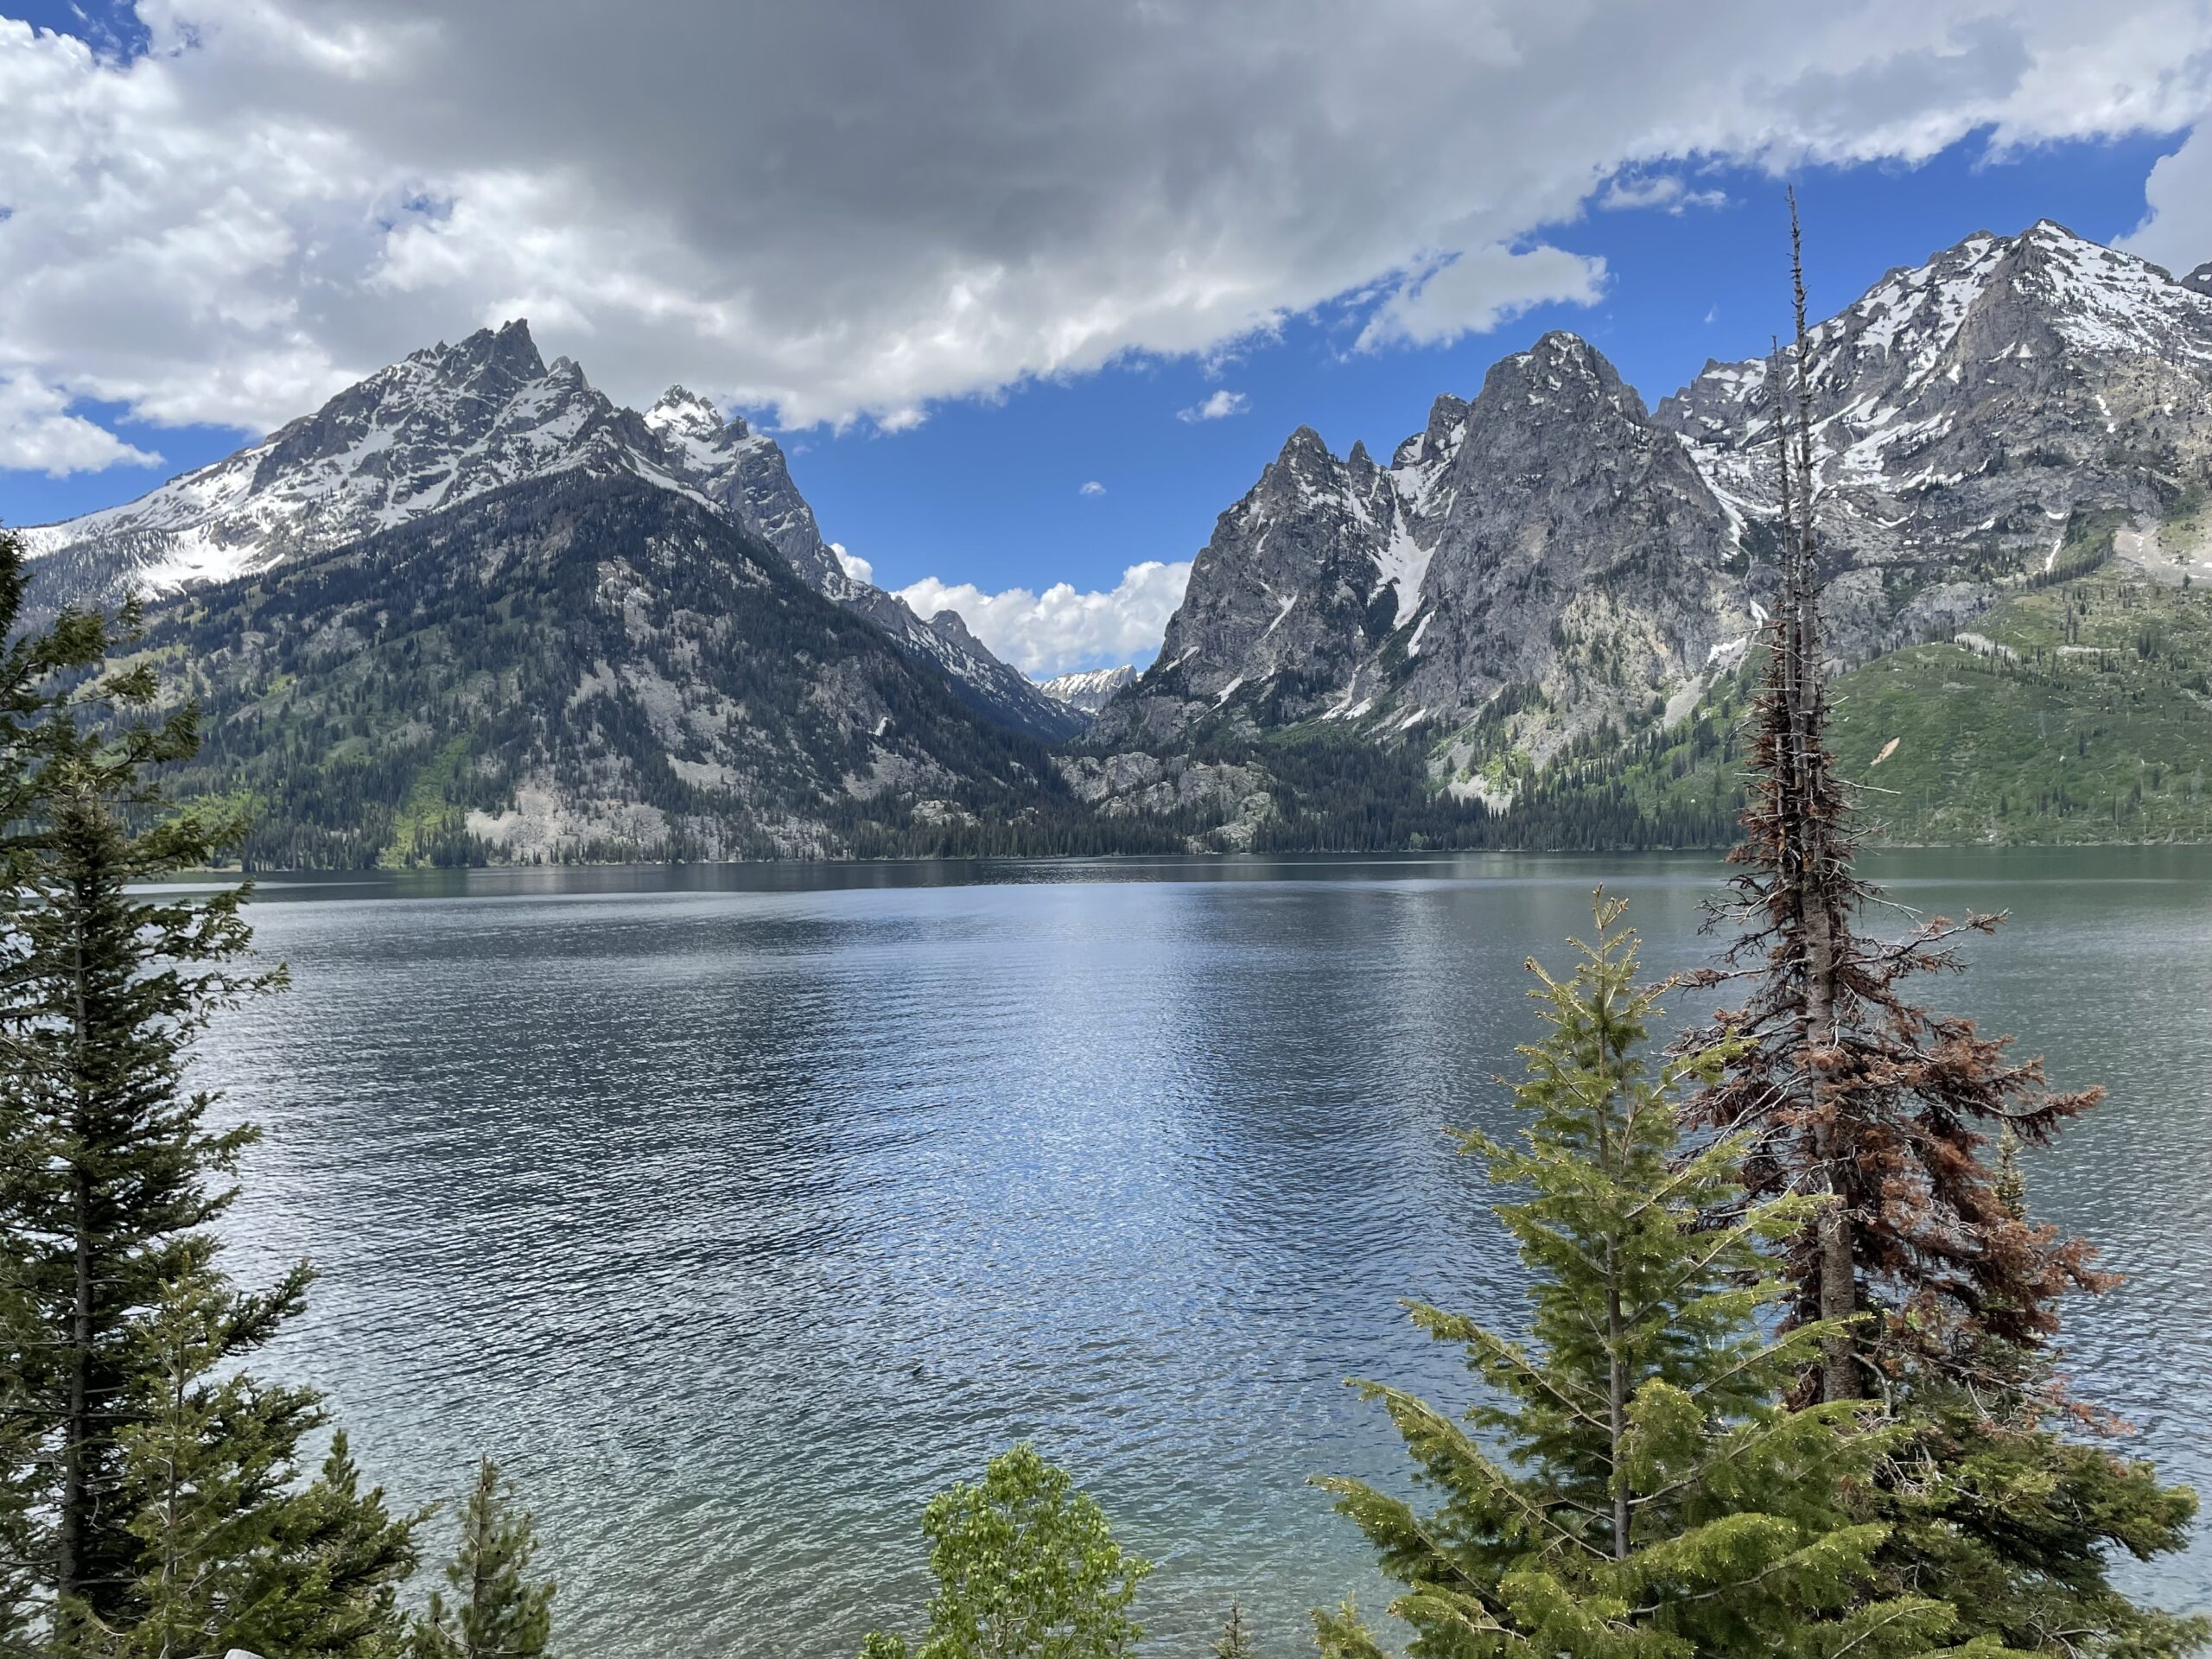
1814 860
76 1432
1618 1395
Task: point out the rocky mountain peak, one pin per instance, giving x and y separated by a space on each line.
1561 369
1090 690
452 422
2200 279
681 410
1447 420
507 354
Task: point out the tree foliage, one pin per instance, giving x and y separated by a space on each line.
1631 1485
151 1490
1027 1568
491 1608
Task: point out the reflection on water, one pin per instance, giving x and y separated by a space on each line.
738 1210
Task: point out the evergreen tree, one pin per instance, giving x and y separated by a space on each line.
2016 1521
1027 1568
1650 1494
146 1486
1234 1641
496 1611
1848 1089
233 1554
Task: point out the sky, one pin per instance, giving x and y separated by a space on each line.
1029 293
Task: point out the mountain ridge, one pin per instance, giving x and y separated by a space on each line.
448 423
1550 569
573 667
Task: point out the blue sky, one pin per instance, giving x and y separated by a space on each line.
987 489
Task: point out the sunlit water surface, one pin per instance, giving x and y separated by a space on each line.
734 1212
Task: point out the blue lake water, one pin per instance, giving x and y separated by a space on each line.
735 1211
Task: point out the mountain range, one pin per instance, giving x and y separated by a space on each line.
1551 569
472 608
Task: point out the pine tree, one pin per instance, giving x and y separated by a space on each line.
146 1489
1234 1641
1027 1567
106 1190
234 1553
1650 1494
1849 1089
496 1611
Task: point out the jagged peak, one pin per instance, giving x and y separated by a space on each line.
2200 279
1304 444
681 408
509 348
1446 415
955 626
1360 460
1560 364
2050 231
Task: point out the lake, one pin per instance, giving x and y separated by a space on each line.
735 1211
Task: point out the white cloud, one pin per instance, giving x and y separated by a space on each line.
38 434
1473 292
1092 486
2176 232
1061 630
1217 405
1657 190
280 195
854 565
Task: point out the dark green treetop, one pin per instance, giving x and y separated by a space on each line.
491 1608
1632 1484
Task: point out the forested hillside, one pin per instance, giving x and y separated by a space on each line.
583 669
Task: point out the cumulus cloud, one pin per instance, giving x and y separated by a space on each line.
852 565
856 211
38 434
1092 486
1217 406
2176 232
1061 630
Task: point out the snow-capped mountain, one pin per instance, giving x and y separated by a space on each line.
440 427
580 666
1967 408
1550 558
1547 534
450 423
1089 691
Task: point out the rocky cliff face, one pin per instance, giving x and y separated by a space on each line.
449 425
1546 536
1552 559
1969 415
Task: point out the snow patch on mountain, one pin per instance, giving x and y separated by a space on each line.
449 423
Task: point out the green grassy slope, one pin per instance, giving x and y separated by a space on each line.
2081 712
